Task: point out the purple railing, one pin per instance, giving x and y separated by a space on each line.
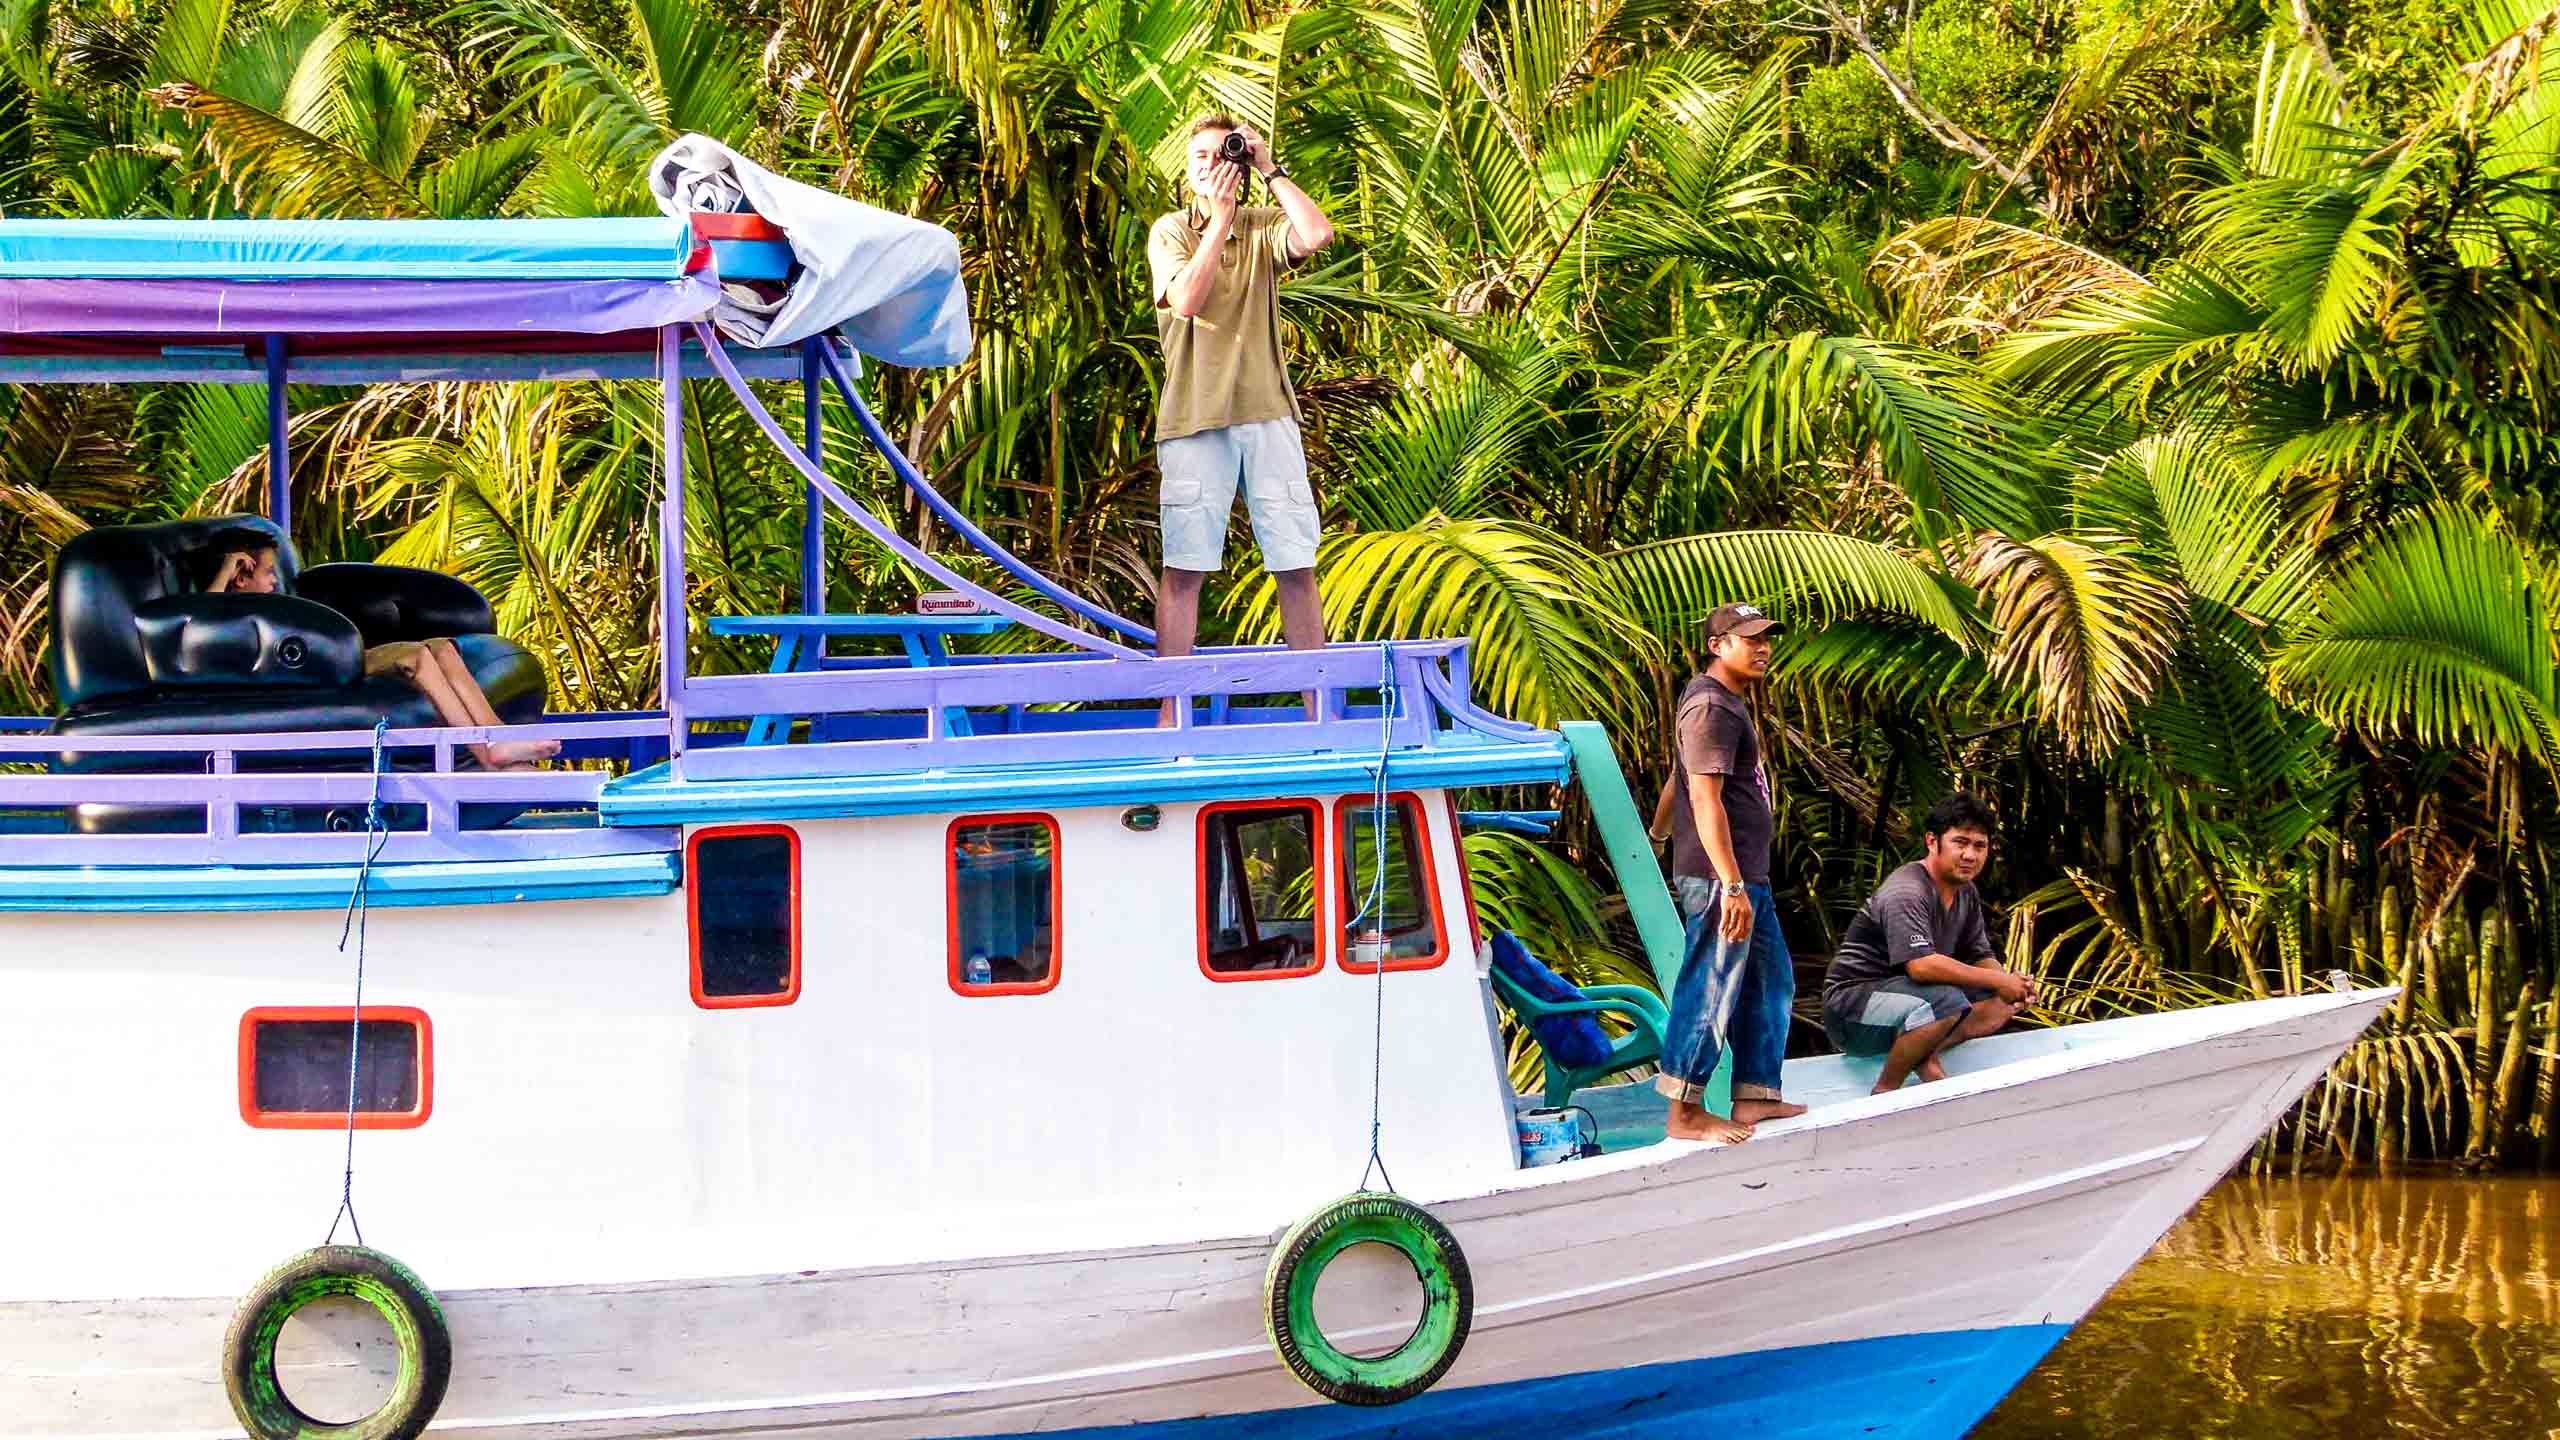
1424 693
215 813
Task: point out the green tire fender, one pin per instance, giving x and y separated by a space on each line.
404 1302
1448 1299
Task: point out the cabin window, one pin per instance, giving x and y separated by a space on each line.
1004 896
293 1067
742 888
1260 900
1405 908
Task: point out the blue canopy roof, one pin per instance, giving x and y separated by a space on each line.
649 248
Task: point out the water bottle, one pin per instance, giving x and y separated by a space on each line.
977 971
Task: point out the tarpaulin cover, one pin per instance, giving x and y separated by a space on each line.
350 307
641 248
890 283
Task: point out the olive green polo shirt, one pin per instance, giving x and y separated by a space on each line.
1223 365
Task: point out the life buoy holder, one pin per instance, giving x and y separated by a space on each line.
404 1302
1448 1299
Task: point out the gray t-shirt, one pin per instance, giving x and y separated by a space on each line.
1903 921
1716 736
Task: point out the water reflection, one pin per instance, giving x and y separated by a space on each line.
2341 1309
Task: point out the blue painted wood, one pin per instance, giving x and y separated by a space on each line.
800 644
653 797
1901 1387
95 888
1532 823
765 729
752 259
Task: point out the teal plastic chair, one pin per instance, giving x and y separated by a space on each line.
1641 1045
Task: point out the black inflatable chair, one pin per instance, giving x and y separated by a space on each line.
142 648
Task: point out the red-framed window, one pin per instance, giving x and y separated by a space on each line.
1408 916
742 908
293 1067
1262 889
1466 877
1004 893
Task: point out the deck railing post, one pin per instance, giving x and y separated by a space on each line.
671 569
279 464
813 519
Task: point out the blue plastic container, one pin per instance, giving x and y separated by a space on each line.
1547 1136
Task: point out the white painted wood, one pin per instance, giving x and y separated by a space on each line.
890 1209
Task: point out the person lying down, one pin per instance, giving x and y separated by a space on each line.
433 666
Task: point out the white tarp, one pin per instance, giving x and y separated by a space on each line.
888 282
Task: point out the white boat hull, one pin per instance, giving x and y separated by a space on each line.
1884 1266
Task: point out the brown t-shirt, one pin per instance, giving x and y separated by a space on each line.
1222 366
1717 737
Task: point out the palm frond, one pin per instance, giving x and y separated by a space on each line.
2439 631
1809 577
2082 630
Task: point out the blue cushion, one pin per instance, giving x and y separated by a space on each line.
1574 1041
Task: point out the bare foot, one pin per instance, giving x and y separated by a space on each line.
1696 1122
1929 1070
1761 1112
1885 1087
518 754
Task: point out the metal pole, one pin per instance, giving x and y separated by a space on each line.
813 520
279 464
671 587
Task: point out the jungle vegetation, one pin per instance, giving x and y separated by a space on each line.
2140 409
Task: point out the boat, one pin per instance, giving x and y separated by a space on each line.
922 1044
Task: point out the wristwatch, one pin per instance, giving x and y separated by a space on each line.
1277 171
1735 887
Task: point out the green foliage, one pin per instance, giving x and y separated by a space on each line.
2134 421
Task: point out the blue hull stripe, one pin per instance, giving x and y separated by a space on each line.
326 887
1905 1387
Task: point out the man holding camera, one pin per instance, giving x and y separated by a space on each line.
1228 414
1916 972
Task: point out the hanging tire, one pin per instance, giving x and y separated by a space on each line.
404 1302
1448 1299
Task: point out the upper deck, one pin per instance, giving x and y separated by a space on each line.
175 820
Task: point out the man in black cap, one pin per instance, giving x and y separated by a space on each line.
1736 978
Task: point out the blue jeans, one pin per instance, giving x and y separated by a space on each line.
1745 990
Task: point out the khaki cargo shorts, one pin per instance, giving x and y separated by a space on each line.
1198 494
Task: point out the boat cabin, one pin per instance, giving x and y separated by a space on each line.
976 903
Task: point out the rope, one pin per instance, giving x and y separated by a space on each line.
1376 900
377 834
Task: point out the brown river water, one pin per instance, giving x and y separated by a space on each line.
2340 1308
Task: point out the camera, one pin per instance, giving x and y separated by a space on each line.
1233 149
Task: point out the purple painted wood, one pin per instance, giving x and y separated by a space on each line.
871 525
245 742
344 787
279 463
967 529
673 632
1449 691
1272 670
618 363
744 762
813 514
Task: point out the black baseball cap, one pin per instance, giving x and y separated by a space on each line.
1742 620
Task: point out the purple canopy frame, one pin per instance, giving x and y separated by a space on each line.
875 720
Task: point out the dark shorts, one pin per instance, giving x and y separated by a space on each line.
1867 1019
